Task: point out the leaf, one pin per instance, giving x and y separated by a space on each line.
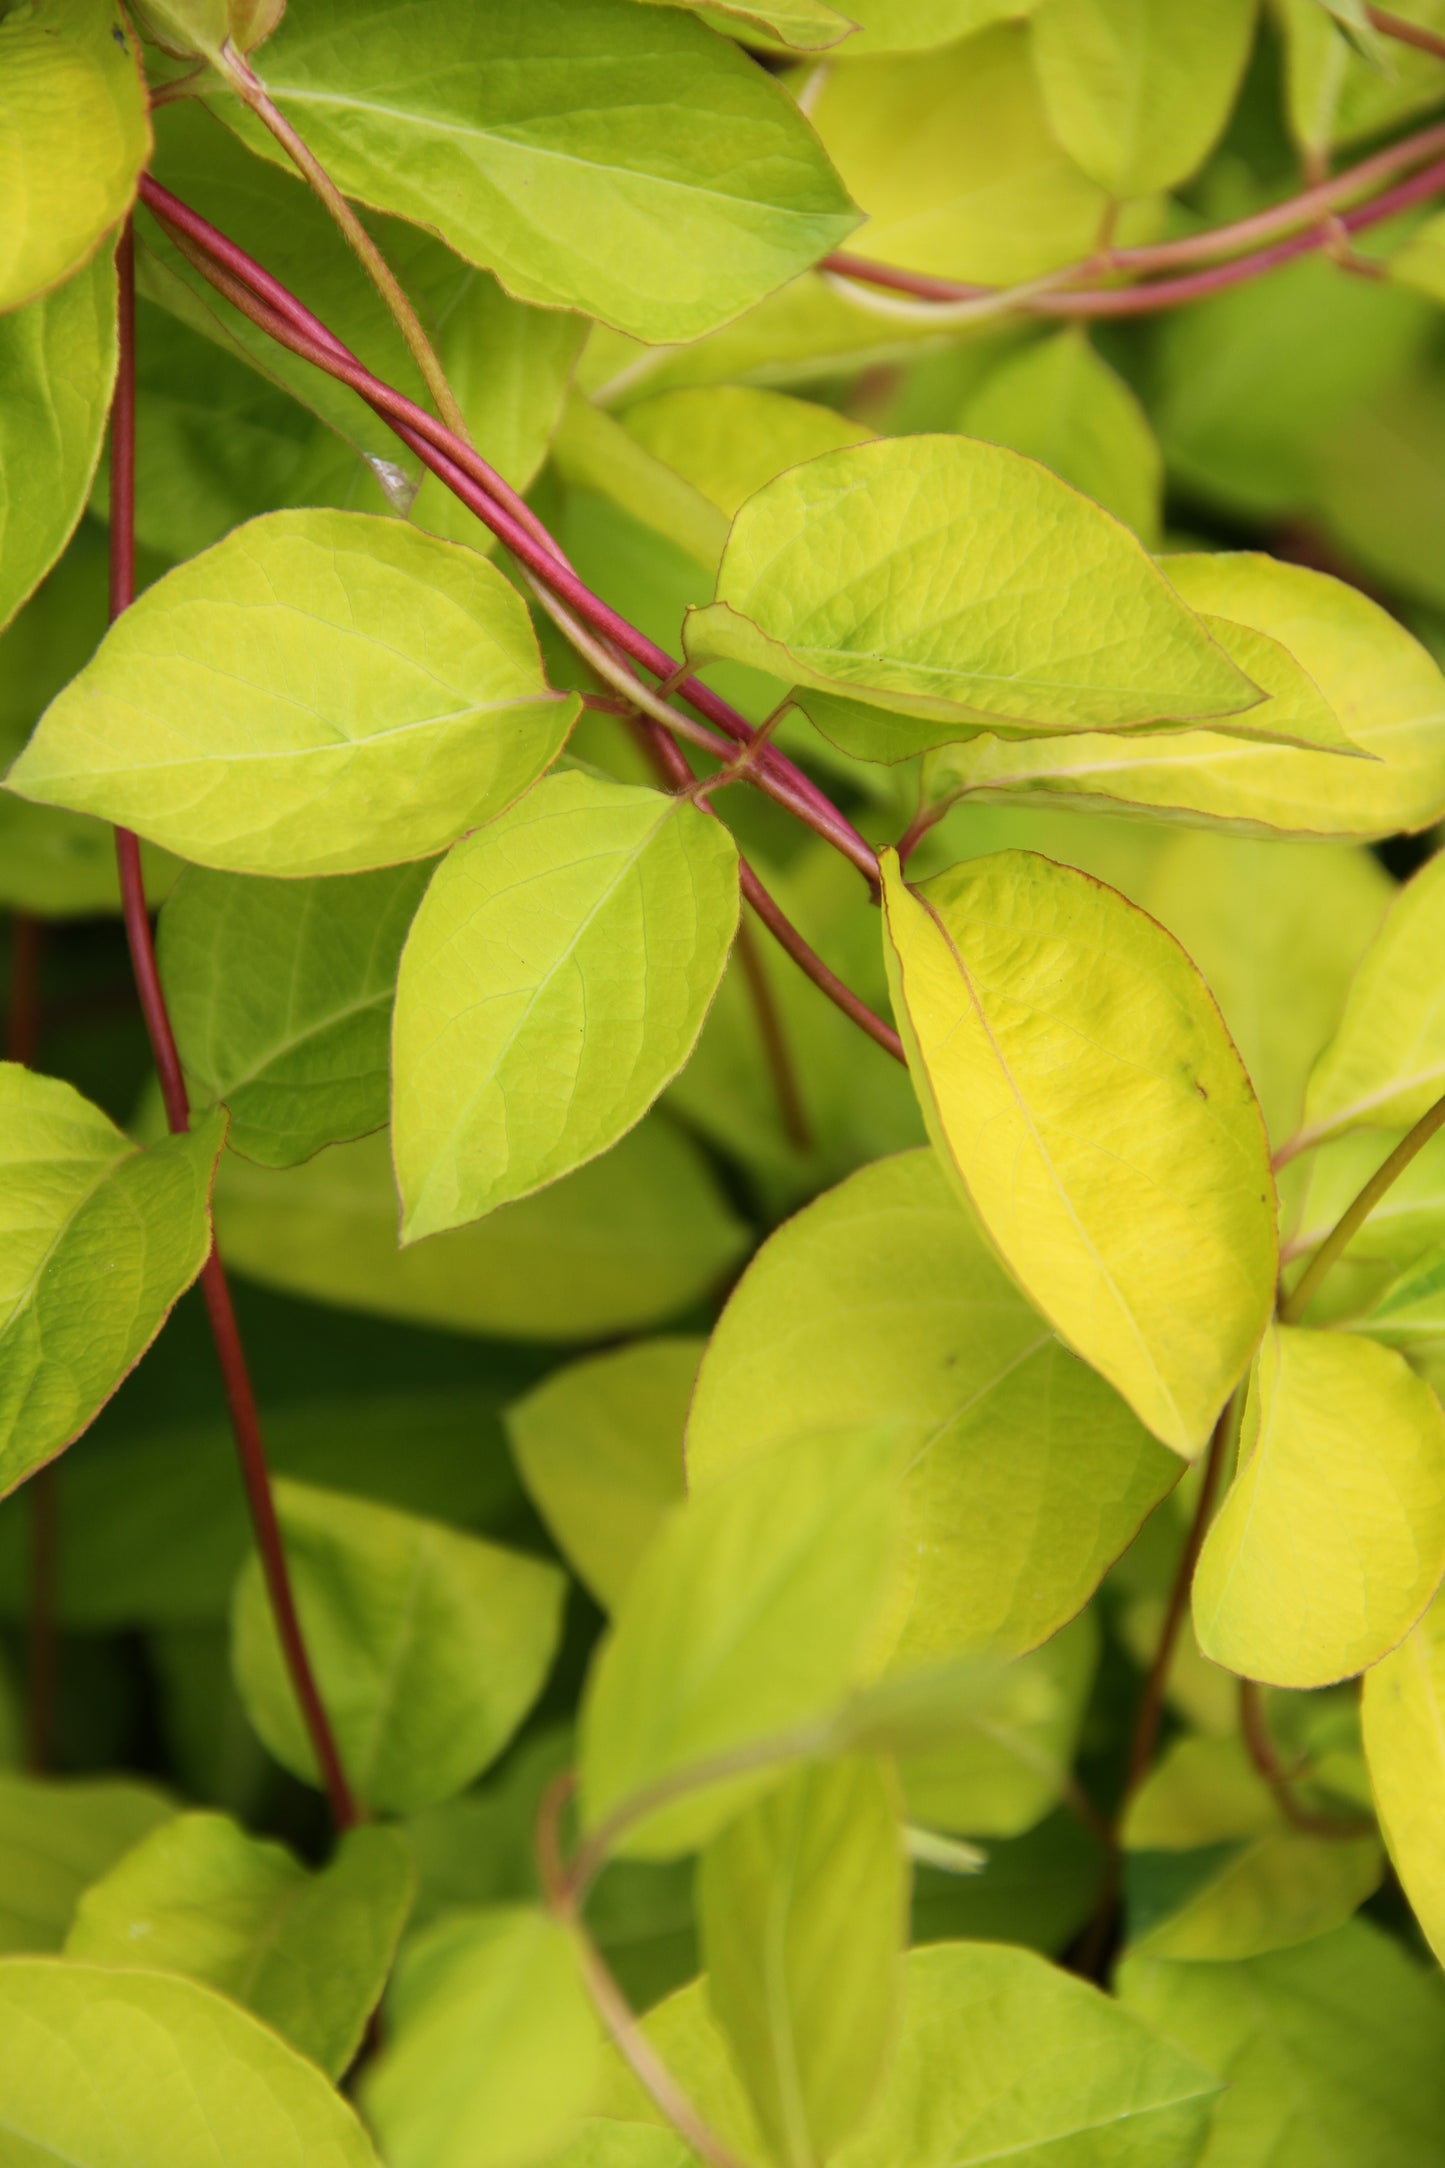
97 2066
901 572
728 440
1403 1706
595 452
1139 94
1385 689
1060 403
1039 1890
429 1646
1385 1066
746 1619
293 1036
56 1838
74 136
1332 2052
950 152
624 1243
308 1953
804 1901
631 166
1010 1758
881 1302
1125 1182
1215 1873
322 692
1332 1538
555 979
910 25
599 1446
806 25
99 1240
57 362
1277 930
1410 1313
495 2045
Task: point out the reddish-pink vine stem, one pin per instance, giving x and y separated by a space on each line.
1395 26
235 1376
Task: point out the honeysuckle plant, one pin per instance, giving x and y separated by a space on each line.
723 745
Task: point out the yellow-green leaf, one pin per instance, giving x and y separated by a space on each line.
322 692
803 1901
727 440
1332 1539
555 979
97 1241
882 1302
74 135
1138 90
808 26
599 1445
746 1619
1403 1705
1079 1081
953 581
1385 689
1385 1065
56 1838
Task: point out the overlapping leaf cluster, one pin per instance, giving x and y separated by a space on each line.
876 1610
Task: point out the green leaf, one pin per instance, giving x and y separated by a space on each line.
1385 1066
1277 929
631 166
57 362
1060 403
745 1620
293 1035
728 440
808 26
495 2045
58 1838
1403 1706
1332 1539
579 940
1127 1185
882 1302
1383 686
1215 1873
898 26
74 135
429 1646
1009 1760
1139 93
99 2066
1410 1312
1334 2051
803 1901
951 155
1038 1890
308 1953
188 28
594 452
99 1239
599 1445
901 573
625 1242
322 692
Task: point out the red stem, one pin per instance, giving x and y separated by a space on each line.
1395 26
235 1377
22 1017
499 507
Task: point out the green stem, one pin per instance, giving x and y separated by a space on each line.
1338 1240
249 88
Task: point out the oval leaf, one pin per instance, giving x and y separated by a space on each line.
429 1646
632 166
56 1838
746 1619
97 1241
555 979
322 692
1403 1706
308 1953
882 1302
99 2066
74 135
957 582
1079 1080
1332 1539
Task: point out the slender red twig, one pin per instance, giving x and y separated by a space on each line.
235 1377
1259 1740
1395 26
